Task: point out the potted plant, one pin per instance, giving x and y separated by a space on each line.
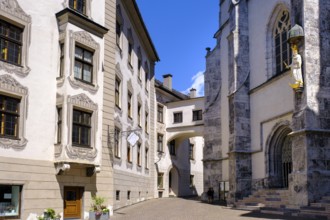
98 210
49 214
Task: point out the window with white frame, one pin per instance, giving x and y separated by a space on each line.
15 26
177 117
129 105
139 69
160 142
117 142
139 162
82 125
61 74
160 181
191 151
13 100
160 113
81 128
146 125
83 65
146 158
117 92
59 124
128 153
280 35
197 115
139 111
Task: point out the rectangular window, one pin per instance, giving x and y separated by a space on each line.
78 5
160 181
146 127
140 69
129 158
146 77
118 33
59 125
10 200
139 115
172 147
197 115
129 105
83 65
177 116
9 116
117 139
81 128
61 60
117 195
160 111
139 154
160 143
191 180
146 158
117 92
10 43
128 195
130 54
191 151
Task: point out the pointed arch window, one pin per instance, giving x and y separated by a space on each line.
280 35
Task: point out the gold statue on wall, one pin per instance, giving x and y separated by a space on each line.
295 67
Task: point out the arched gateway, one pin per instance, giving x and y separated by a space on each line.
279 156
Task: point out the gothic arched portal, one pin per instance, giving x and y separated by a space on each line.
279 157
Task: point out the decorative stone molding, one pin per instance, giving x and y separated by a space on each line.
85 39
61 167
10 86
11 11
82 101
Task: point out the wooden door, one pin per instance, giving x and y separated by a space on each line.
72 202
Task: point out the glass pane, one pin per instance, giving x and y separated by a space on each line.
10 125
76 116
88 56
79 53
12 105
87 73
84 136
75 134
78 70
13 53
15 33
3 49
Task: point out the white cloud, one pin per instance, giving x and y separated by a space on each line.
197 83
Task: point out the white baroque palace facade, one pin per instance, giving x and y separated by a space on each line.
259 132
51 101
133 133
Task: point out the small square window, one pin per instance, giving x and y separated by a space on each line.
177 116
197 115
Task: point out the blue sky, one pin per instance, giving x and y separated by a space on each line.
180 31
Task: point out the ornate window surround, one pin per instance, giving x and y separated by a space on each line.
10 87
11 12
82 102
84 40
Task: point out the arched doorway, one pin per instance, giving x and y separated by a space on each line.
279 156
173 182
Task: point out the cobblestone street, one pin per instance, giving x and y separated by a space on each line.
185 209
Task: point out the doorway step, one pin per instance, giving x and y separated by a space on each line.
277 202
